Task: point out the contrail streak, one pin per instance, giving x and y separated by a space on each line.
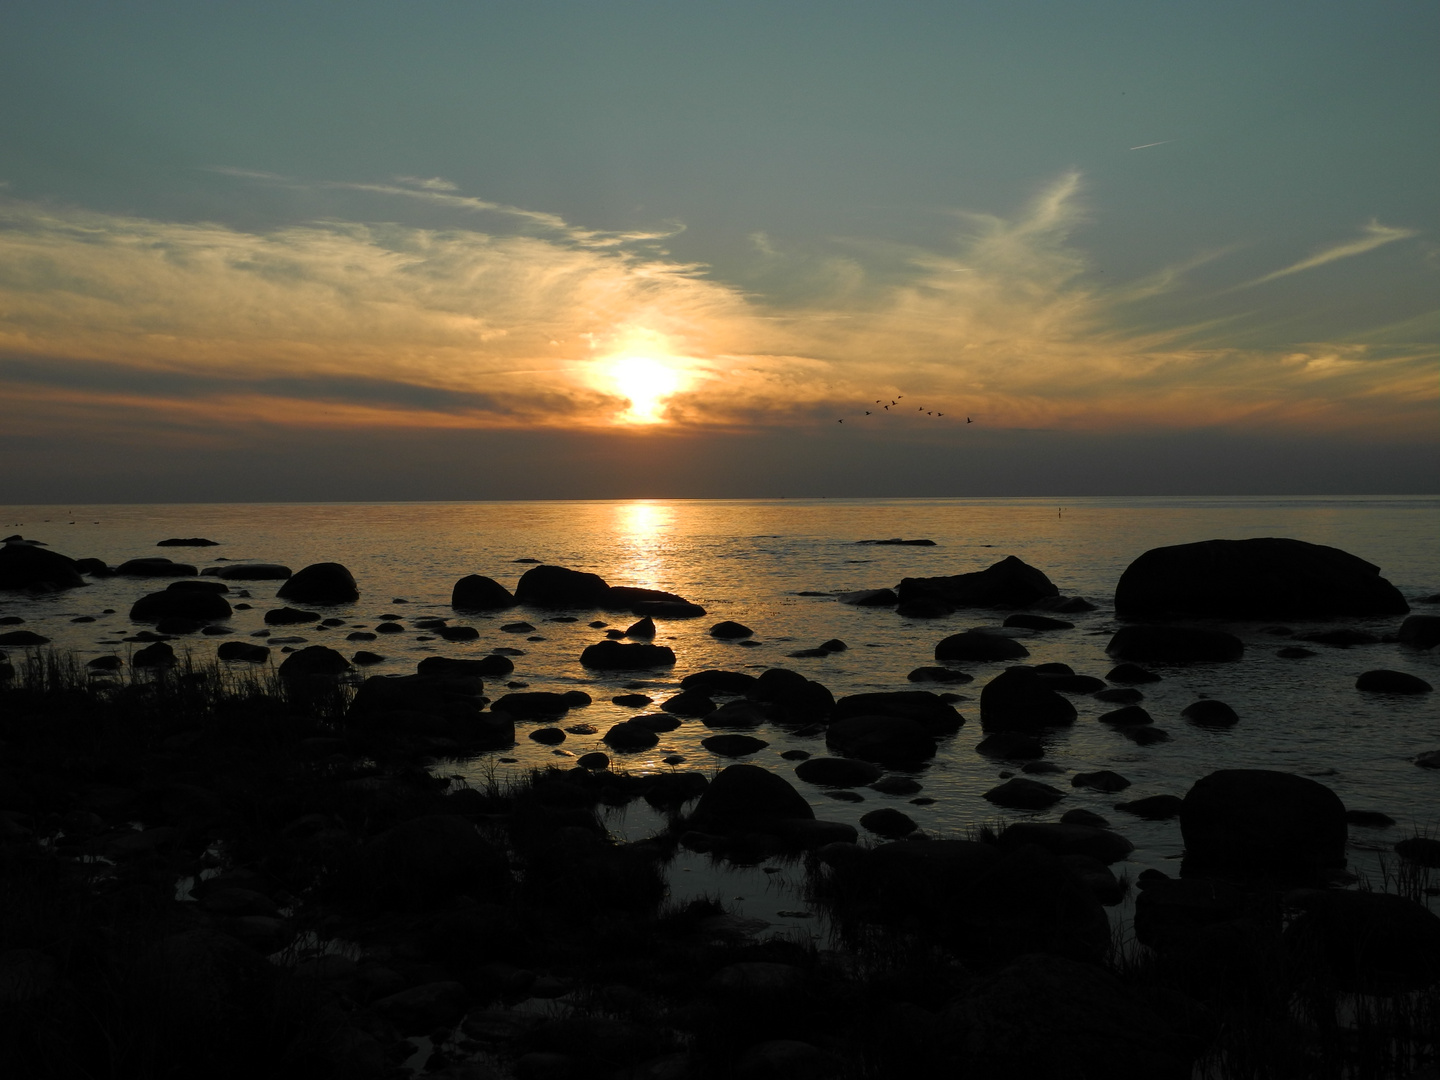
1142 146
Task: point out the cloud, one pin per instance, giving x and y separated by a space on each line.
1376 235
181 329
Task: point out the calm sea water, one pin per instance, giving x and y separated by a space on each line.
750 560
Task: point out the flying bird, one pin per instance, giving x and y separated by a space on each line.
867 412
968 420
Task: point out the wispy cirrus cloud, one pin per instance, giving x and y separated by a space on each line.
1375 235
366 325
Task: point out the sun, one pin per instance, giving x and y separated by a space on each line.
646 382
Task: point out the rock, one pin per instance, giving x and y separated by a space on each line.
107 663
1013 745
744 797
1018 699
364 658
197 604
939 675
1371 942
1009 583
1372 819
26 568
1104 780
1420 631
869 598
1153 808
155 567
243 650
667 609
1131 674
479 593
889 823
1267 578
251 572
719 682
1028 621
1257 821
422 1009
1068 838
689 703
596 760
1126 717
974 645
730 631
888 740
1207 712
1294 652
1083 817
1174 645
927 709
1428 760
1119 696
486 667
895 541
561 587
896 785
1423 850
428 858
1341 639
446 705
23 637
313 660
1020 793
189 541
629 735
731 745
1047 1016
289 616
456 633
532 705
93 568
159 654
837 772
1075 684
321 583
548 736
633 656
628 597
1392 682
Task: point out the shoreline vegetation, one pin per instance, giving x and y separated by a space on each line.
210 869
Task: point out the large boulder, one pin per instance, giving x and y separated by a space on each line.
202 605
888 740
936 716
611 655
321 583
1174 645
979 646
749 798
480 593
313 660
28 568
791 698
1264 578
1009 583
1420 631
1258 822
1020 699
561 587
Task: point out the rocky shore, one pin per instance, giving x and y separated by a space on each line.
224 867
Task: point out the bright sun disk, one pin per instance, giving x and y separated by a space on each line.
647 383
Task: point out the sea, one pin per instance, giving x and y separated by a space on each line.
777 566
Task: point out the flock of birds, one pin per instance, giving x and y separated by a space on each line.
895 404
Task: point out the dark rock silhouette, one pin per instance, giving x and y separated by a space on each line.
159 654
1103 780
485 667
23 637
939 675
1022 793
1130 674
837 772
1127 716
1371 942
1012 745
189 541
689 703
870 598
935 715
1009 583
1065 839
1267 578
1019 699
1153 807
1207 712
289 616
628 735
791 698
561 587
321 583
479 593
1258 821
202 605
896 541
1385 681
730 630
889 823
643 629
1030 621
243 650
719 682
745 797
978 646
1420 631
1174 645
733 745
888 740
94 567
313 660
532 705
632 656
27 568
155 567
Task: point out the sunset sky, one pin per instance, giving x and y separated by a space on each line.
455 250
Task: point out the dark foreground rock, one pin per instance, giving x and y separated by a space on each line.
27 568
321 583
561 587
1266 578
1009 583
744 797
1259 822
480 593
633 656
1174 645
202 605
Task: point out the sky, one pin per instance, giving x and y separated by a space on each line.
471 250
